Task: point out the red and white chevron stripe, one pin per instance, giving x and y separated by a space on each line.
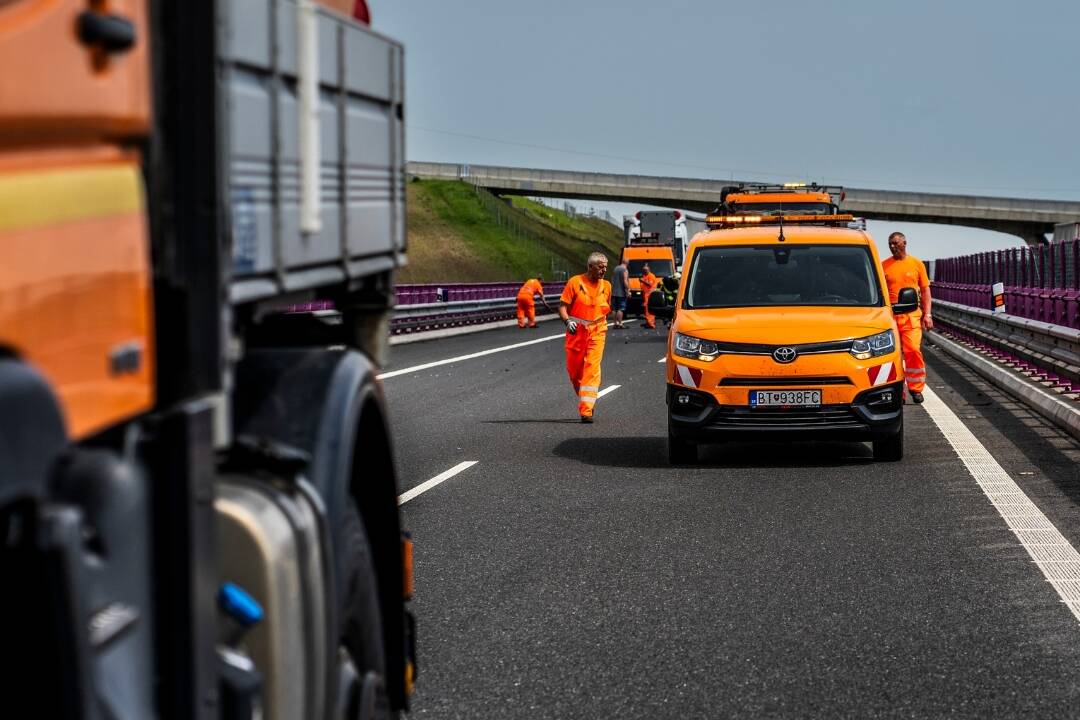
690 377
882 374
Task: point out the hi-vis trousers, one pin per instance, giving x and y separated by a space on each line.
911 349
526 310
584 349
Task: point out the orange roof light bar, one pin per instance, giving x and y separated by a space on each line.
736 220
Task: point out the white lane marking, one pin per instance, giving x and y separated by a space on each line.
662 359
441 477
425 366
606 390
1056 558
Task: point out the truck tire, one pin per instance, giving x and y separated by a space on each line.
361 623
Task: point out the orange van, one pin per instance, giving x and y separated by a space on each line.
784 331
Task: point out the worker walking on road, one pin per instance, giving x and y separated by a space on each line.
901 271
526 301
648 284
583 307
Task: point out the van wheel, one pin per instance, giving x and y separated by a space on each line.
681 452
362 660
891 448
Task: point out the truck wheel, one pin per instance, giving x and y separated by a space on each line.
361 627
890 448
681 452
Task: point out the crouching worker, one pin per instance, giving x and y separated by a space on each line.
526 301
583 307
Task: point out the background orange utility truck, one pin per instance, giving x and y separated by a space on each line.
788 199
201 211
645 248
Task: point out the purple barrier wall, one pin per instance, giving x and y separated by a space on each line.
454 292
1041 283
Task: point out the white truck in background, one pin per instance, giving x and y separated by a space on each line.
668 225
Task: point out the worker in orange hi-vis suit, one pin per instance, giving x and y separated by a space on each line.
902 271
526 301
648 284
583 307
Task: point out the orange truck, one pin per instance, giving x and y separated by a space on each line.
201 213
640 251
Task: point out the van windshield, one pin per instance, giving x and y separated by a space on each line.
768 275
660 268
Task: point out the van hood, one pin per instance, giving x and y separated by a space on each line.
783 325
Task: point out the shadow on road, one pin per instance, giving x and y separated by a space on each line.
651 452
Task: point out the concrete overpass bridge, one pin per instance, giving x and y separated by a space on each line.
1028 218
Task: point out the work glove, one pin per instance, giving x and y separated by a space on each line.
571 327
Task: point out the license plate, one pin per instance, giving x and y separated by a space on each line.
785 398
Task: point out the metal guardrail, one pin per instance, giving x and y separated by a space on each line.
1046 352
1054 306
493 304
1038 363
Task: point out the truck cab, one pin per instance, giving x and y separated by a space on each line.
661 261
785 199
201 213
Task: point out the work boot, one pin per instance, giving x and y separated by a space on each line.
917 397
587 419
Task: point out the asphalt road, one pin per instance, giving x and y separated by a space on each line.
571 573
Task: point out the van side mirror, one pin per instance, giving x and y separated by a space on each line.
906 301
659 307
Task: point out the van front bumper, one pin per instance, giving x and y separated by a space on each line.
875 414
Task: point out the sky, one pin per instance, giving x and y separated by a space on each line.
953 96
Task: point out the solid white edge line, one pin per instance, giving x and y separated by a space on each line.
426 366
459 358
1055 557
606 390
441 477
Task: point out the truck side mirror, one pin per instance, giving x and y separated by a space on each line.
906 301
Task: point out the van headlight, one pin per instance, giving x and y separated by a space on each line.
695 348
881 344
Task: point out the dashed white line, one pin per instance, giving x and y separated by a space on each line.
1052 553
606 390
459 358
662 359
440 478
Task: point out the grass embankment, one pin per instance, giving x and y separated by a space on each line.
593 229
453 237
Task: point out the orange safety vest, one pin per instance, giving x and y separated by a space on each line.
531 288
588 303
648 284
909 272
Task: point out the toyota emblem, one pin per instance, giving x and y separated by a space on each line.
784 355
